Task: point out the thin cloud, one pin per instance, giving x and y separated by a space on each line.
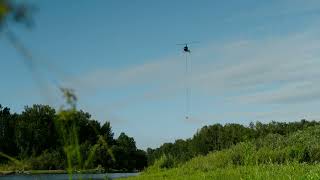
251 71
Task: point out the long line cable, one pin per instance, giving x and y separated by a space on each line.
188 89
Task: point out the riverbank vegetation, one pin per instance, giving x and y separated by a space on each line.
70 141
40 138
218 137
260 151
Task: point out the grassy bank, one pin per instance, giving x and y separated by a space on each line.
271 171
3 173
87 171
296 156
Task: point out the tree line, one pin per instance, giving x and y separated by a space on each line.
43 138
217 137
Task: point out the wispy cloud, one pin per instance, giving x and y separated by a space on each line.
283 9
265 66
269 70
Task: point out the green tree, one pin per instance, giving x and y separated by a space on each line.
7 126
124 151
106 132
35 130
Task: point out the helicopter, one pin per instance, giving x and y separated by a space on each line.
186 47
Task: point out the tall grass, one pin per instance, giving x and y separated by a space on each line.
267 171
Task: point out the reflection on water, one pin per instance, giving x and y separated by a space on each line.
66 176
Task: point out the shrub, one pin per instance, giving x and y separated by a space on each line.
48 160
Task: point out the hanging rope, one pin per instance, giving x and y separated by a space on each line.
188 89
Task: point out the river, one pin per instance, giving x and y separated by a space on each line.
66 176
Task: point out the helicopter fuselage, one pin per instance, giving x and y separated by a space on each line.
186 49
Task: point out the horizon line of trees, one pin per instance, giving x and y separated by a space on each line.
46 139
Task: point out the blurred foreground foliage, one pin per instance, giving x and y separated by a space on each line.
17 12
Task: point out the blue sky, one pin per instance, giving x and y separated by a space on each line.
256 61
